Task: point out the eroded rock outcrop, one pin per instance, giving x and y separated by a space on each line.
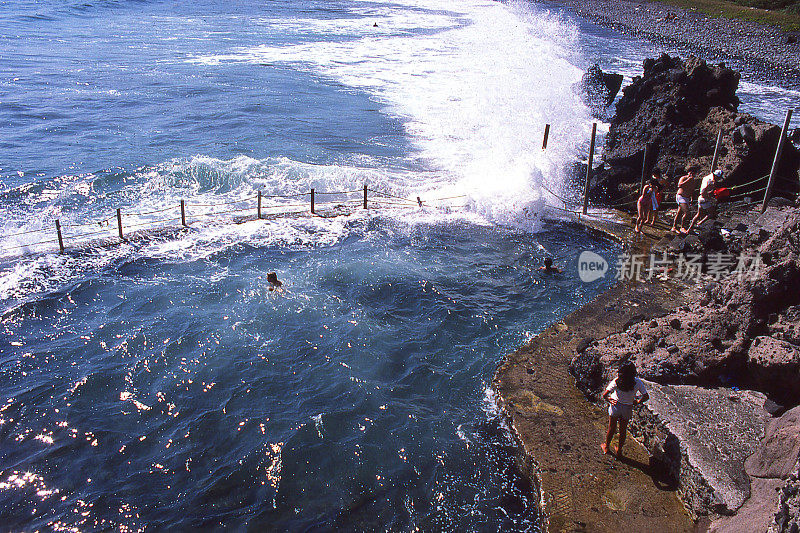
677 108
741 331
599 89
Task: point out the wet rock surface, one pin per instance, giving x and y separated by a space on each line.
560 433
599 89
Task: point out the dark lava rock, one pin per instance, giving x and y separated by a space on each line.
599 88
713 342
676 108
775 364
711 239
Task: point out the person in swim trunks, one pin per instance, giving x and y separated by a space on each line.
621 395
683 197
706 203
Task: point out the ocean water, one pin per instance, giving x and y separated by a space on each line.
157 383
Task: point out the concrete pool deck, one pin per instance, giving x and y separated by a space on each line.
560 431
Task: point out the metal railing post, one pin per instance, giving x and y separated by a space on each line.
119 223
589 170
60 238
717 148
777 159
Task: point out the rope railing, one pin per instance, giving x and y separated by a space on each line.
740 185
386 200
114 224
28 232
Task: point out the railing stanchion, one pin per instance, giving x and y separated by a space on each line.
259 204
644 168
183 212
546 134
119 223
717 149
777 159
365 196
312 200
60 238
589 170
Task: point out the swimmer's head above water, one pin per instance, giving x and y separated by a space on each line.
274 282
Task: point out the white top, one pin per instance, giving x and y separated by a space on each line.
626 397
707 186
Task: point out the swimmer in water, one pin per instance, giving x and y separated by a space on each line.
274 282
548 267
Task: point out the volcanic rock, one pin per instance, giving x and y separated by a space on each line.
703 437
780 450
599 88
676 108
714 343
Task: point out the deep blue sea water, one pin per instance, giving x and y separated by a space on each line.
158 384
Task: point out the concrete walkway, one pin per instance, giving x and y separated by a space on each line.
584 490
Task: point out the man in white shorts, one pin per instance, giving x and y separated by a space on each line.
683 197
706 203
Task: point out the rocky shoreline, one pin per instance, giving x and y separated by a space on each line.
724 370
721 354
768 48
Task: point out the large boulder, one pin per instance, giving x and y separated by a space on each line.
775 364
677 108
780 449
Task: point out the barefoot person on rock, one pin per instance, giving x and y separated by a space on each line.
684 196
706 203
621 394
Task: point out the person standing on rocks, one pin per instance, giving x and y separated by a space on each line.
684 196
621 395
645 206
659 184
706 203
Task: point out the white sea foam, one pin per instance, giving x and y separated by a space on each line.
474 96
473 90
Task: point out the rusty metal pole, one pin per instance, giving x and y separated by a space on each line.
183 213
717 148
259 204
778 152
365 196
589 170
119 223
644 168
60 238
312 200
546 135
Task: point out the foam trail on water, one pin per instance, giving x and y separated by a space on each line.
474 96
473 90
